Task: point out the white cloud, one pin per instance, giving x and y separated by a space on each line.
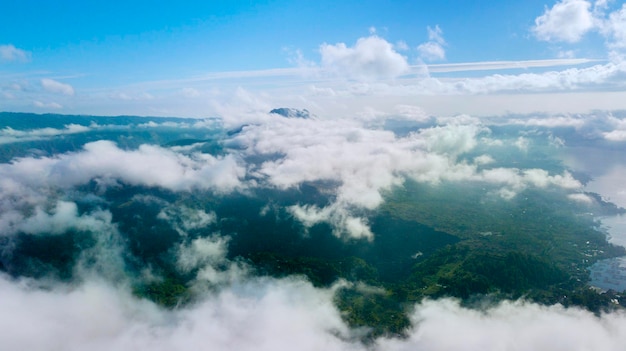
202 251
64 217
401 45
10 135
513 180
207 257
411 112
570 20
435 34
138 96
262 315
552 121
276 315
618 126
365 163
522 143
184 219
608 75
500 65
370 58
510 326
54 105
615 28
20 212
56 87
616 135
433 49
483 160
567 20
149 165
10 53
581 197
337 214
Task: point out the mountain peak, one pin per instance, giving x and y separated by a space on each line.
291 112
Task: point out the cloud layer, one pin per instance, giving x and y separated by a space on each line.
276 315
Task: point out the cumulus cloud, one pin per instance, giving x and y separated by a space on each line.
371 57
433 50
57 87
10 53
615 28
567 20
570 20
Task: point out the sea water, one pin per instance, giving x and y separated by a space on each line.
611 273
607 167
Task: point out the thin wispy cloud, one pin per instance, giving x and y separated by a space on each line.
57 87
9 53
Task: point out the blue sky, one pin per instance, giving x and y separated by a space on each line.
160 58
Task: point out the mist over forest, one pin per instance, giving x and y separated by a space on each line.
286 228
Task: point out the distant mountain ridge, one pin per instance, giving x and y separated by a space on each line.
26 120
